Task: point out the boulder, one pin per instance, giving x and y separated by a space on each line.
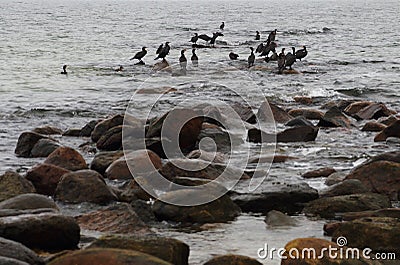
44 231
44 147
103 126
220 137
330 228
47 130
355 107
73 132
13 184
347 187
217 211
393 130
67 158
142 162
318 173
381 234
255 135
107 256
335 178
298 134
287 198
303 100
276 218
216 157
334 118
279 114
11 261
379 176
28 201
268 159
132 191
116 219
45 177
26 142
373 111
111 140
310 114
388 212
389 120
87 130
329 207
299 121
17 251
168 249
103 160
245 112
232 260
83 186
373 126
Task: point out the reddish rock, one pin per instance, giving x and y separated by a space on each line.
245 112
13 184
103 126
389 120
132 191
355 107
321 172
346 187
47 130
373 126
67 158
279 114
388 212
303 100
392 130
26 142
311 114
330 228
232 260
45 177
373 111
334 118
103 160
298 134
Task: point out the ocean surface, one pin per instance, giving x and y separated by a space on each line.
353 53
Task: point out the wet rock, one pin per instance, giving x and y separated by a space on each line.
14 212
117 219
168 249
310 114
287 198
101 256
318 173
83 186
67 158
389 120
381 234
340 104
217 211
277 218
111 140
335 178
162 65
245 112
299 121
190 168
373 111
347 187
220 138
334 118
87 130
47 130
379 176
330 228
373 127
207 156
303 100
28 201
132 191
269 159
11 261
328 207
142 162
45 231
389 212
26 142
45 177
103 126
355 107
17 251
44 147
255 135
232 260
279 114
13 184
298 134
73 132
103 160
388 156
393 130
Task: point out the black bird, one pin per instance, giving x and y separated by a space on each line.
183 60
233 56
300 54
204 37
140 55
260 48
273 57
195 38
194 58
214 37
271 36
164 52
251 58
159 49
268 48
64 71
119 69
291 58
258 37
281 61
222 26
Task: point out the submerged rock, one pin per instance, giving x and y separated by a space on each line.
17 251
67 158
13 184
277 218
232 260
45 177
347 187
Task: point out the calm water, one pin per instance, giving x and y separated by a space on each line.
354 52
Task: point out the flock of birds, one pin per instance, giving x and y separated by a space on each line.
264 49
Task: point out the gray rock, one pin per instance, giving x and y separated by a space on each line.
17 251
28 201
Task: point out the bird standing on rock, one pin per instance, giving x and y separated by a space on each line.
159 49
214 37
194 58
281 61
140 55
183 60
251 58
300 54
290 58
271 36
222 26
164 51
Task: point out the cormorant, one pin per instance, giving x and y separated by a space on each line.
281 61
214 37
251 58
268 48
271 36
300 54
140 55
64 71
258 37
273 57
194 58
204 37
260 48
159 49
233 56
119 69
183 60
291 58
195 38
164 52
222 26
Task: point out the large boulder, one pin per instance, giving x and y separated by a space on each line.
44 147
334 118
373 111
103 160
232 260
28 201
17 251
380 176
83 186
346 187
393 130
45 231
45 177
12 184
217 211
103 126
355 107
168 249
107 256
26 142
373 126
67 158
329 207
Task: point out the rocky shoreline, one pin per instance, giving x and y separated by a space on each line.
33 230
